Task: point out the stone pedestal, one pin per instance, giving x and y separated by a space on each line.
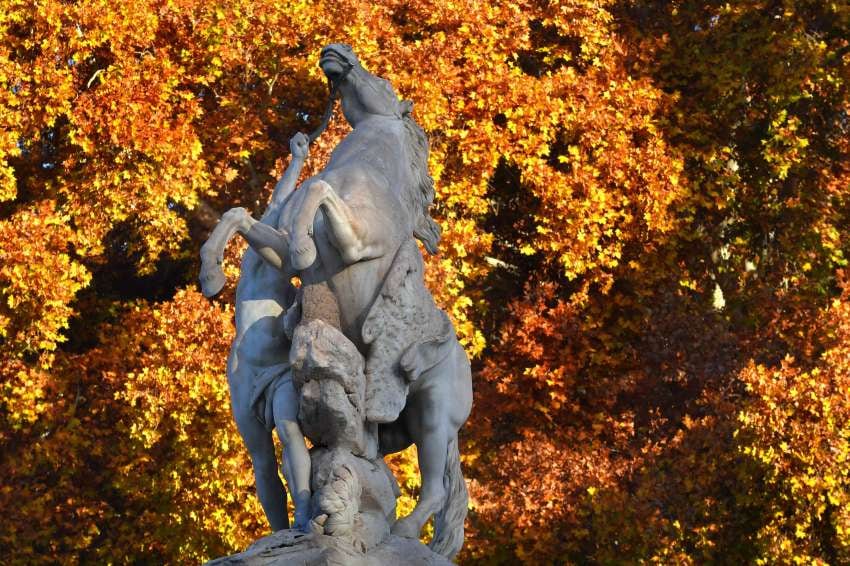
354 493
292 548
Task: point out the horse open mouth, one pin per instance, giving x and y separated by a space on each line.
333 64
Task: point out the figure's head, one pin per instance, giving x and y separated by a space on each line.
362 92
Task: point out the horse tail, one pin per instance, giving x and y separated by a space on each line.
448 522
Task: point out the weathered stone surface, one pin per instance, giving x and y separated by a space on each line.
354 492
352 496
293 548
403 320
369 347
328 372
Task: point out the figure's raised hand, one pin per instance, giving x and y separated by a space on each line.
299 145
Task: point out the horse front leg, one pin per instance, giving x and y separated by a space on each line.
212 252
302 249
350 230
270 244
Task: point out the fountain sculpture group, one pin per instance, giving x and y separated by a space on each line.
358 358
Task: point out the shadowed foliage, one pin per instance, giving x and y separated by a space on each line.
644 210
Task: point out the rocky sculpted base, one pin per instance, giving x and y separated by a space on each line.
294 548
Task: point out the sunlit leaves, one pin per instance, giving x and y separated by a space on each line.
697 222
798 429
38 282
643 205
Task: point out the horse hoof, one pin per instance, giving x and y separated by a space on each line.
405 528
212 282
303 253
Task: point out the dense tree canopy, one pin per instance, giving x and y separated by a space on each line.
644 210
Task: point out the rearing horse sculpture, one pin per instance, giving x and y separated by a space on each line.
349 234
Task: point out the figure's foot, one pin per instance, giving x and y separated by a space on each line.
302 251
407 527
302 521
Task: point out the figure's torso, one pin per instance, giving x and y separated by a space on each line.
262 296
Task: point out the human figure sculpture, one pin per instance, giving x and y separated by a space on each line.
376 364
259 375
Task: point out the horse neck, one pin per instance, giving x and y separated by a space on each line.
380 141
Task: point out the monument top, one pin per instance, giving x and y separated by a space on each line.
360 359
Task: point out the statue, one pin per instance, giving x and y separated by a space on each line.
259 377
360 352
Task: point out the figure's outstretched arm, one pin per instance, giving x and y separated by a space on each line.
299 147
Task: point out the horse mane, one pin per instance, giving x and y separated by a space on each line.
425 229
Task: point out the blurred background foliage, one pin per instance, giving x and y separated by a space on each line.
644 208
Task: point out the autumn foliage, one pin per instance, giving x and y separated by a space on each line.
644 209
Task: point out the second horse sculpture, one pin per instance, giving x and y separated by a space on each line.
364 316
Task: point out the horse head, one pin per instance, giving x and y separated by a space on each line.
363 94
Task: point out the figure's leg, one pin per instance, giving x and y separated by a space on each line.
270 490
296 458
